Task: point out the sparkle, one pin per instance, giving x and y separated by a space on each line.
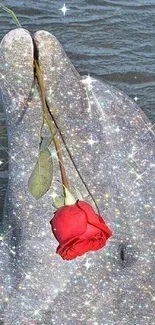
136 98
1 162
12 157
117 129
64 9
87 264
108 176
150 129
106 195
88 81
91 141
6 299
139 176
131 155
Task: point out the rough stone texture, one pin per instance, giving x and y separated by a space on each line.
112 143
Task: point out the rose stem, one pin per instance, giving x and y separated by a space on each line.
50 125
11 13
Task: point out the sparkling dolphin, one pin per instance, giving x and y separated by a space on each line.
112 144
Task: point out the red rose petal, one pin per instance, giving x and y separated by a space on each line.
77 247
78 229
80 248
68 222
93 218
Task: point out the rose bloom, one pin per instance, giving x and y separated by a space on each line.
78 229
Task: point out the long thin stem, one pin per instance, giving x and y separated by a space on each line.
12 14
46 115
70 155
51 126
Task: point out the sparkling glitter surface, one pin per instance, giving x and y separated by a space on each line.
112 144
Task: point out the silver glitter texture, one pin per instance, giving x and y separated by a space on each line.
113 145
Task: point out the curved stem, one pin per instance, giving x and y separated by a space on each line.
11 13
51 126
46 117
70 155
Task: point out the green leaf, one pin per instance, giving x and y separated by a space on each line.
42 174
58 202
78 194
45 142
69 198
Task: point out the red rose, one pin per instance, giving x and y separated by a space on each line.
78 230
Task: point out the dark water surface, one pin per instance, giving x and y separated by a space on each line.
112 40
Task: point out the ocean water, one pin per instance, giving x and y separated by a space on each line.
111 40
